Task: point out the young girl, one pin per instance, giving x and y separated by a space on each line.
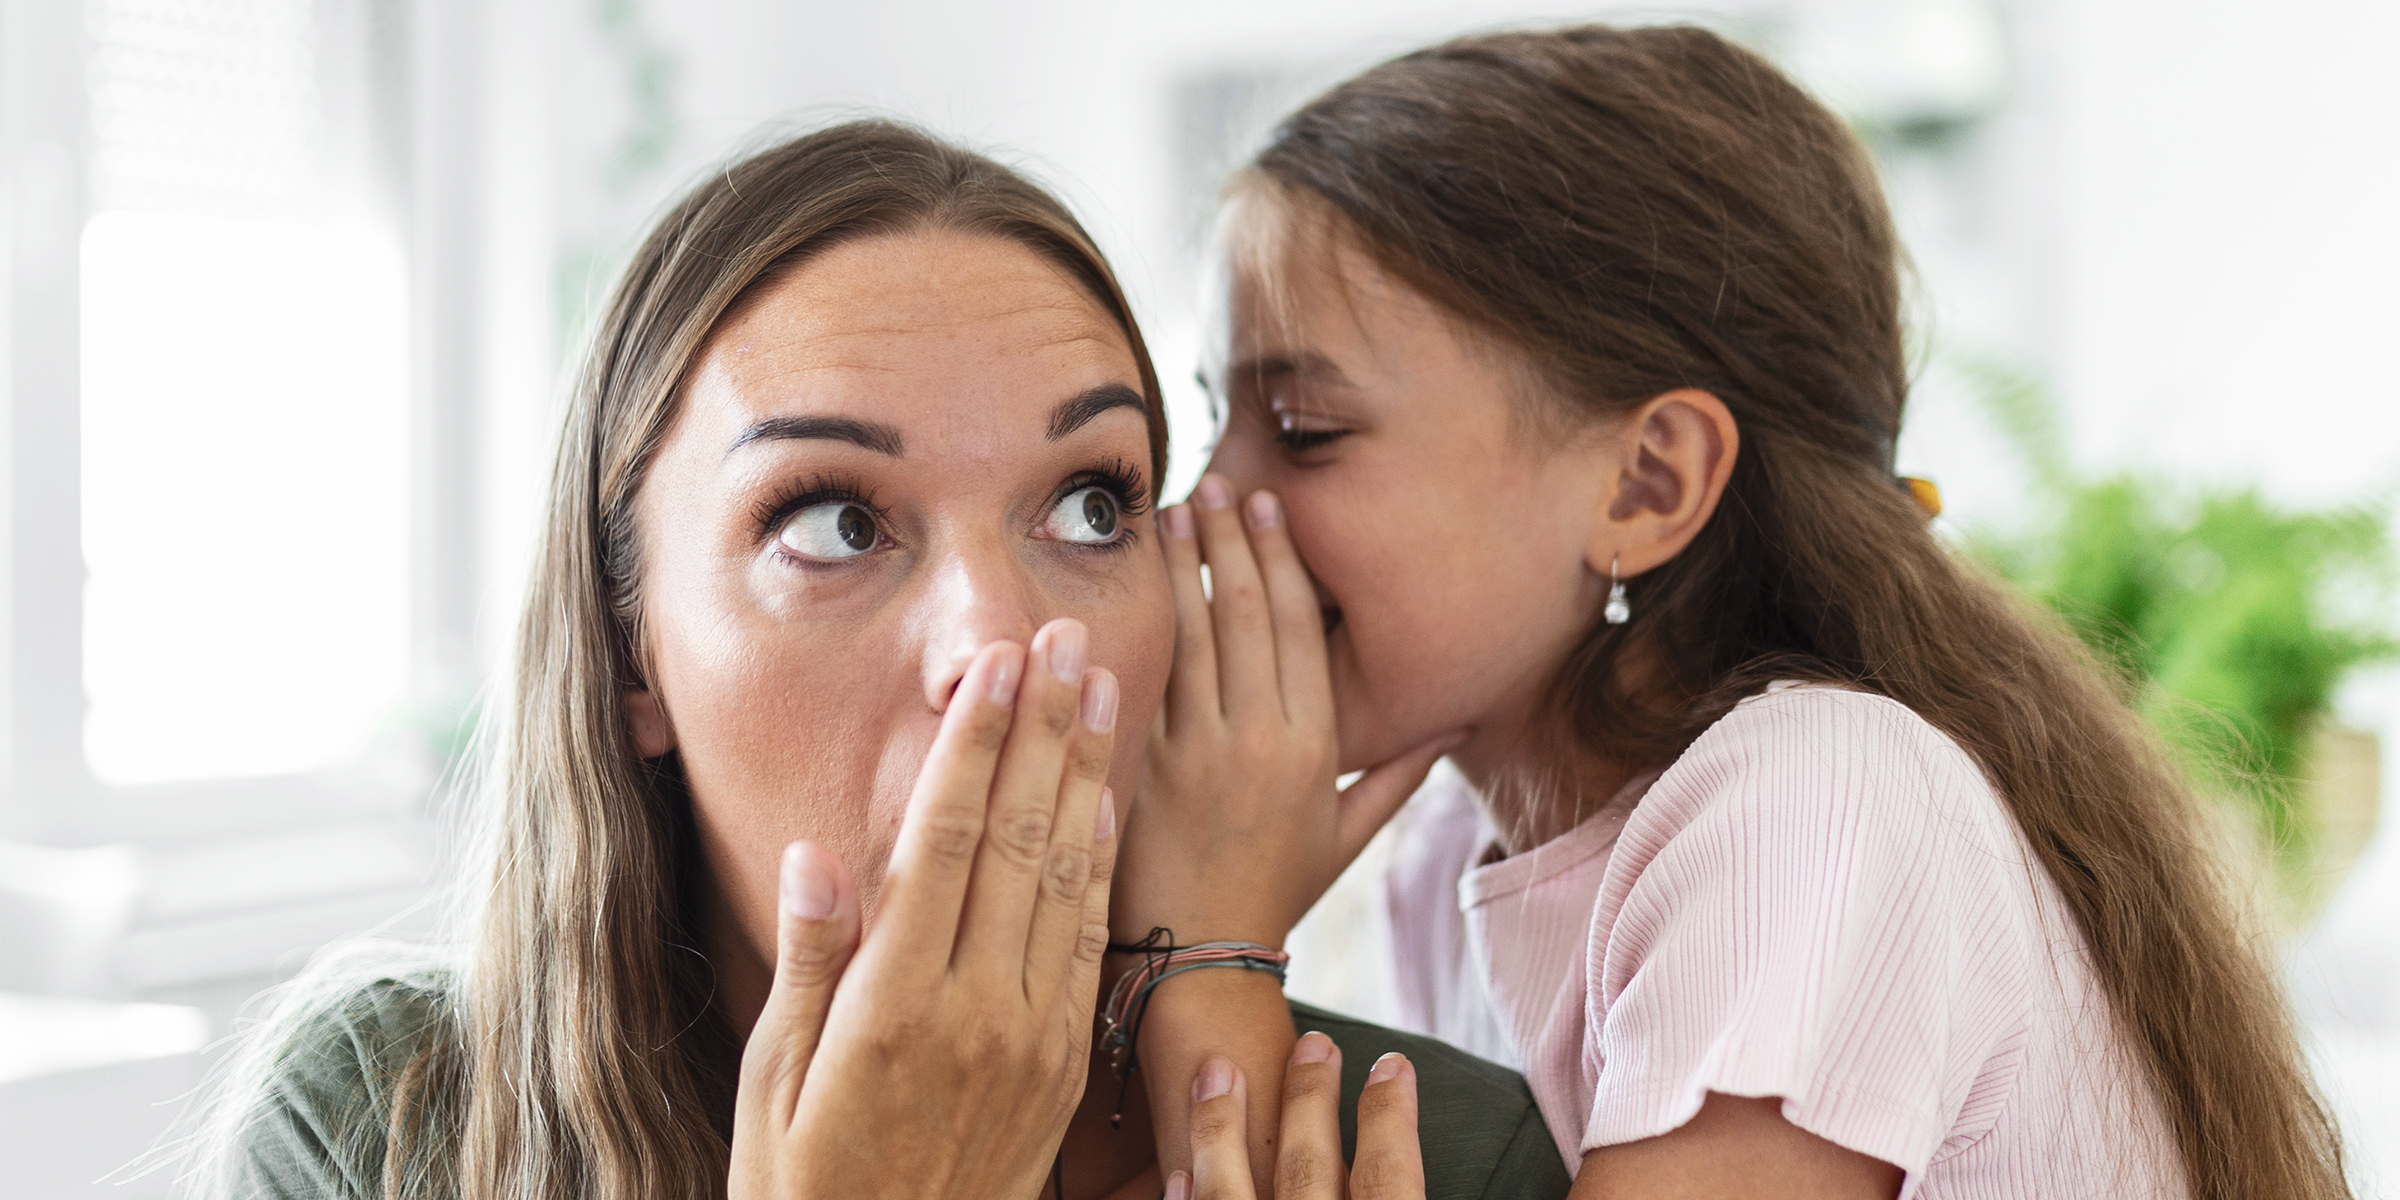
1570 364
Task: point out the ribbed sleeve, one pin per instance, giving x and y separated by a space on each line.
1822 900
1813 907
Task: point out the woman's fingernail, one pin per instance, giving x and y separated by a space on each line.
1388 1067
1068 643
1211 493
1214 1080
807 889
1003 689
1265 513
1100 702
1106 827
1179 1186
1179 521
1312 1048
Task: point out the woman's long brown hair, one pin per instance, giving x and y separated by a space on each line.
583 1061
1641 210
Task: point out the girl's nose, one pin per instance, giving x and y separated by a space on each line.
975 600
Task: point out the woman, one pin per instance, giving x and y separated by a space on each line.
847 580
1798 857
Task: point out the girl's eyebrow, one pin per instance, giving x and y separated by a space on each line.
868 435
1302 364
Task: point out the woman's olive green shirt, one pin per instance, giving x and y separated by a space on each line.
317 1132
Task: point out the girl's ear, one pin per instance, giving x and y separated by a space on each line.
646 719
1672 457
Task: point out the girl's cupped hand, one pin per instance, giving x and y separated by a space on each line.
944 1055
1308 1162
1239 827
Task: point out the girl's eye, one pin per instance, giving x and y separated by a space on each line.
836 529
1296 439
1299 440
1088 515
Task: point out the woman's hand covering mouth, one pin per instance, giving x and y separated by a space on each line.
955 1037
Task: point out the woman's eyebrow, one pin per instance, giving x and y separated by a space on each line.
869 435
1077 411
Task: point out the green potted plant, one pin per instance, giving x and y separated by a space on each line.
2234 619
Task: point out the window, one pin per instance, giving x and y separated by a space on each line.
244 473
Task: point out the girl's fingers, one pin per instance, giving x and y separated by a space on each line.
1220 1133
1372 798
1026 792
1192 688
1308 1160
1299 619
1060 908
925 886
815 935
1237 604
1389 1165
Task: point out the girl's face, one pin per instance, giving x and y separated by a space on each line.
910 447
1446 526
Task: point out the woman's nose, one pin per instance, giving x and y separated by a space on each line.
973 603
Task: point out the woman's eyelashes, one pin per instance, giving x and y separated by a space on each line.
1096 508
831 530
1087 515
822 522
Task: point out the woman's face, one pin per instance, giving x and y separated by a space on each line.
1446 530
910 447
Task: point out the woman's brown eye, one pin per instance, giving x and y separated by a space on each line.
834 530
1088 515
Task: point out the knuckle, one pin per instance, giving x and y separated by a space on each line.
949 837
1310 1081
1058 714
1023 835
984 1044
1066 872
811 966
1214 1121
900 1033
987 732
1104 872
1378 1102
1092 942
1089 760
1254 743
1303 1170
1380 1177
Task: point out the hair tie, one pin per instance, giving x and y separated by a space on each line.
1927 496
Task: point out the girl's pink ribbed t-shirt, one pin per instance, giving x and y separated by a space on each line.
1822 900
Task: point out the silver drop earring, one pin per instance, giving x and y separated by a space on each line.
1619 610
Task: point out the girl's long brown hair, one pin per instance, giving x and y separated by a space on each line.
576 1056
1641 210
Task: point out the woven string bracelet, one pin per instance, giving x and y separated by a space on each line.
1129 1001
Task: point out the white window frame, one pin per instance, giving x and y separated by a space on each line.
221 829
